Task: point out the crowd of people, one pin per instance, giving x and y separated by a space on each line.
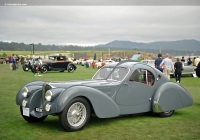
14 61
166 65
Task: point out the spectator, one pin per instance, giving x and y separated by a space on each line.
178 66
189 61
158 61
93 64
183 59
16 61
168 66
198 70
197 60
193 61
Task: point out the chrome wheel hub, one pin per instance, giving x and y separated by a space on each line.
76 114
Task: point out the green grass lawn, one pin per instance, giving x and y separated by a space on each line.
183 125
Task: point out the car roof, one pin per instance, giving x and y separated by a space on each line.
125 63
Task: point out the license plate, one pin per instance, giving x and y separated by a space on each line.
26 111
38 109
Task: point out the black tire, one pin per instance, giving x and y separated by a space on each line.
25 68
32 119
70 68
166 114
75 115
44 69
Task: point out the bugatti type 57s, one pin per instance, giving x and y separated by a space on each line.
117 89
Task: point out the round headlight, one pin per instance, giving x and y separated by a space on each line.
48 95
25 92
48 107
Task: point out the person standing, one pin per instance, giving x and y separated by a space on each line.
189 61
168 66
178 66
183 59
196 61
158 61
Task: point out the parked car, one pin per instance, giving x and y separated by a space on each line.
3 60
30 63
187 70
57 63
116 89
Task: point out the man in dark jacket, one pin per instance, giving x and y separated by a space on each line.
198 70
158 61
178 66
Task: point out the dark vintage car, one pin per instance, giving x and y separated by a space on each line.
57 63
116 89
30 64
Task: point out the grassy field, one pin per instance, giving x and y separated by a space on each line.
183 125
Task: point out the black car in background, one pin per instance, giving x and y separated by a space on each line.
30 63
57 63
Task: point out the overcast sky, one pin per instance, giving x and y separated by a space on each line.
89 25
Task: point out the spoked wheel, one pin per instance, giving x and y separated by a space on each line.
70 68
166 113
32 119
44 69
75 115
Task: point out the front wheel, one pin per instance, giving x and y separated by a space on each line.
166 113
32 119
75 115
25 68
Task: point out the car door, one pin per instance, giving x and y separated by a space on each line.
136 92
59 63
188 69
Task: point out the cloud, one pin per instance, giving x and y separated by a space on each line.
98 24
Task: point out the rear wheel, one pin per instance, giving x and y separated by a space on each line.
166 113
32 119
70 68
75 115
4 62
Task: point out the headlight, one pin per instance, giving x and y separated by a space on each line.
48 95
48 107
25 92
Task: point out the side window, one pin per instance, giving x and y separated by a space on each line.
143 76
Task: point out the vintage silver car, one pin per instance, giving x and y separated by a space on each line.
187 70
116 89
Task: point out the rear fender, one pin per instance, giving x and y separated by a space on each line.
103 105
171 96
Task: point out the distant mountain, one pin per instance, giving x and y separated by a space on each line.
180 45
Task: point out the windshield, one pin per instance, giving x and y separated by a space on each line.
102 73
105 73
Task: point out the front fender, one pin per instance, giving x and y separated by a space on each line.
19 96
171 96
103 105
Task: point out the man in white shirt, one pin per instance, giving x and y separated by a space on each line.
196 61
168 66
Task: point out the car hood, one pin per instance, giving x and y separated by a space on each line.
89 83
104 86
